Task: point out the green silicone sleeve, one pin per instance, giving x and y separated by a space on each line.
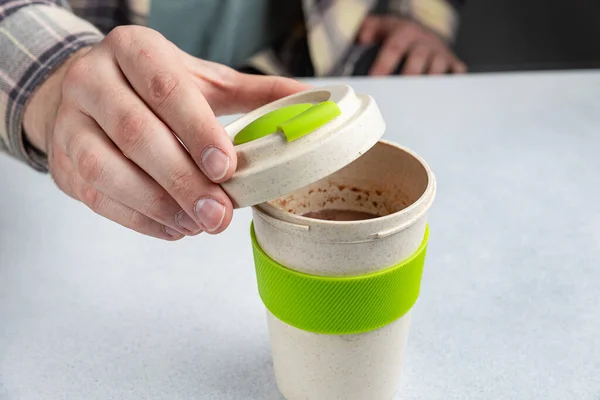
339 305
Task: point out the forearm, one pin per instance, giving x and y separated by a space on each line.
36 38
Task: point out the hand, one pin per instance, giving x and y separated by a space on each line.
422 50
134 134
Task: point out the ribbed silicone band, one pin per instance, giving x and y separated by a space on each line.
339 305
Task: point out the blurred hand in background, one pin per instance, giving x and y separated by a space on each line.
404 41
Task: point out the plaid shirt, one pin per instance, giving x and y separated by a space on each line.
36 36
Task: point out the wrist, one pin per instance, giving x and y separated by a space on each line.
40 112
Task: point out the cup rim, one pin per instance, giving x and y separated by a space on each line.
424 201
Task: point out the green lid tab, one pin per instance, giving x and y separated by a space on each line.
293 121
311 119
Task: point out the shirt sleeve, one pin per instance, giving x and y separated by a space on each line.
441 16
35 38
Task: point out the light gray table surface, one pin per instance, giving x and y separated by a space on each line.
510 300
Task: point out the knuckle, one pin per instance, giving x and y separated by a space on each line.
54 166
154 206
136 220
61 121
120 37
76 75
229 78
161 86
59 176
72 145
89 166
90 197
51 153
62 186
59 161
182 184
130 129
126 36
410 31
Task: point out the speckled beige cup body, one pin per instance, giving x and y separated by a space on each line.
388 180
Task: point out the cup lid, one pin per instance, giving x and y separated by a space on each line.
298 140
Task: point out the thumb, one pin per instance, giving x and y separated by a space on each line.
253 91
230 92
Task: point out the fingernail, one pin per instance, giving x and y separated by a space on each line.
210 213
172 232
215 163
184 221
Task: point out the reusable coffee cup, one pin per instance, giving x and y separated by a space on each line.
339 236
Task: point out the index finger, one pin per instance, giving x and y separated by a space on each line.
154 68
